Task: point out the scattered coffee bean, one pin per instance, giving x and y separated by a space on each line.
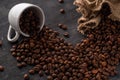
31 71
61 1
14 54
19 65
23 64
0 42
62 11
49 78
18 59
26 77
66 34
1 68
12 50
62 26
41 73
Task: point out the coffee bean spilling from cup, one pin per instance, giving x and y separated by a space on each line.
25 19
29 22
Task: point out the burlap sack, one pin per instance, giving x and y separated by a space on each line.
91 15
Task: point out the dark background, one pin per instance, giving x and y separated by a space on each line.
53 17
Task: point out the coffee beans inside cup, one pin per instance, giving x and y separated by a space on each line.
29 22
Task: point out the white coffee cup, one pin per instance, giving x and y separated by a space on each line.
14 18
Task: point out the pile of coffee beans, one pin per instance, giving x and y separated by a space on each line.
95 58
100 51
29 22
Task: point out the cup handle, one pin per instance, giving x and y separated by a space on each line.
15 38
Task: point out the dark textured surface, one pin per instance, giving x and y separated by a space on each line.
53 17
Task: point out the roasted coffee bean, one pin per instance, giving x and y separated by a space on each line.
0 42
36 69
19 65
32 44
62 11
1 68
31 71
46 72
64 78
26 77
54 75
103 64
44 67
56 79
68 74
18 53
66 34
14 54
22 57
41 73
23 64
18 59
49 78
12 50
95 71
61 1
71 78
62 26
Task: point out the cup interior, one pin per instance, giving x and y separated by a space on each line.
39 15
